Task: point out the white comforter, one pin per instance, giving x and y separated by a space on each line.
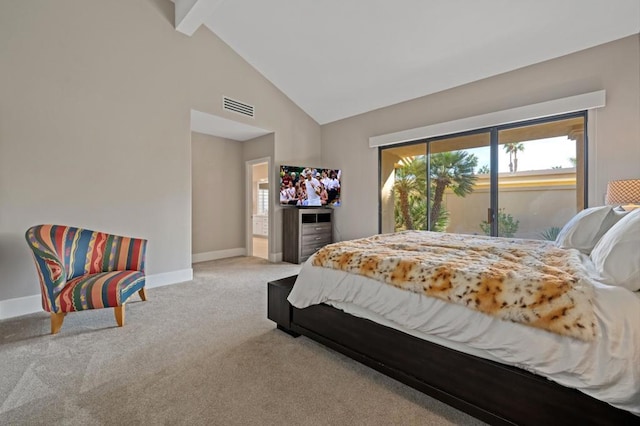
607 368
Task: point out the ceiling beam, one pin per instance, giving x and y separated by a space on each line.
190 14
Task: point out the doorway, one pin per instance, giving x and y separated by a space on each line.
259 197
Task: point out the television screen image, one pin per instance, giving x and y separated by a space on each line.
309 186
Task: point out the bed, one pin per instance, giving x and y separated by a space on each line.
497 369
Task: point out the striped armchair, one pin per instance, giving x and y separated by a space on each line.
81 269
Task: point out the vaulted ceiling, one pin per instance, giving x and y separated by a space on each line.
339 58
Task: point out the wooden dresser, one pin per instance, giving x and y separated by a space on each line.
304 232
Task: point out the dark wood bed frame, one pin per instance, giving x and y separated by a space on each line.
493 392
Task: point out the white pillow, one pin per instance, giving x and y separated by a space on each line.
584 230
617 254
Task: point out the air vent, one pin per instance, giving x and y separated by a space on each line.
238 107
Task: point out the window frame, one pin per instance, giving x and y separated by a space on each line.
494 146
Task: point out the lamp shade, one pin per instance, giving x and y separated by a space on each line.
623 192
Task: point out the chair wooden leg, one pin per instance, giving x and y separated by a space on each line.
119 312
143 294
56 321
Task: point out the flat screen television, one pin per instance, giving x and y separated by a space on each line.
303 186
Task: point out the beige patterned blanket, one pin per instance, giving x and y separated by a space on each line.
527 281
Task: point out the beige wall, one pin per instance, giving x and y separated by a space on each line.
537 209
94 124
218 194
614 131
95 99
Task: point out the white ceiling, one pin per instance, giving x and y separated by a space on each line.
339 58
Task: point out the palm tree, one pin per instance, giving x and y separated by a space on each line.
512 149
484 170
451 169
409 185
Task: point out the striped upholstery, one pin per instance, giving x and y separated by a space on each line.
81 269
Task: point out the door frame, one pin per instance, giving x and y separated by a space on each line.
249 205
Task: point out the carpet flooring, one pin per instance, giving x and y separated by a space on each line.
196 353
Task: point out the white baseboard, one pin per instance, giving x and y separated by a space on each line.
29 304
218 254
20 306
275 257
167 278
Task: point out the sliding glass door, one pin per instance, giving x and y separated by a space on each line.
404 193
522 180
440 185
540 177
460 183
